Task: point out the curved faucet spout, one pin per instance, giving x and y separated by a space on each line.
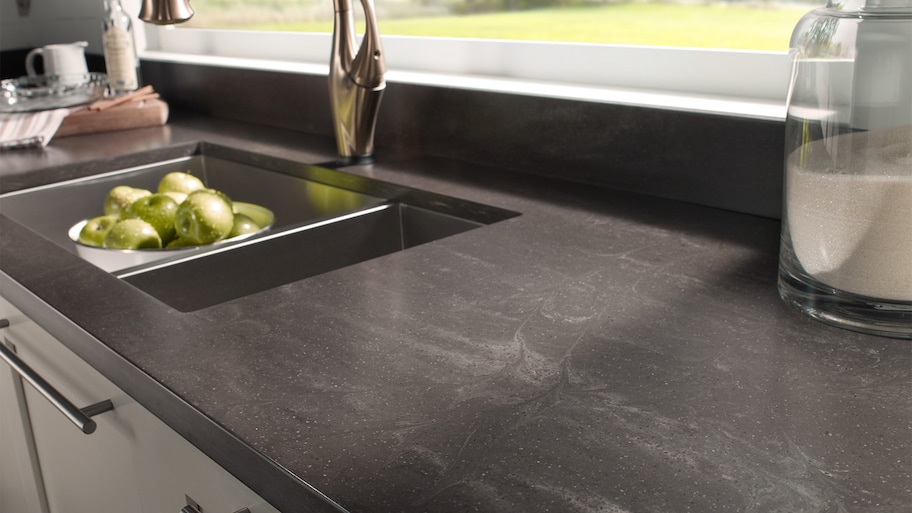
356 82
165 12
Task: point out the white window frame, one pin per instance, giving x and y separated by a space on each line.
751 84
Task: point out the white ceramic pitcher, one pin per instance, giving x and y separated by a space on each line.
65 63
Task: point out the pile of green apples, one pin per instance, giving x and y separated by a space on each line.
183 212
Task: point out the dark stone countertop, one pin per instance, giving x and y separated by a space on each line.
601 352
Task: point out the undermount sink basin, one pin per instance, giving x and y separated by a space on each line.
52 209
204 280
325 219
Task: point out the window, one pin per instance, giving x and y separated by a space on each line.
728 57
723 24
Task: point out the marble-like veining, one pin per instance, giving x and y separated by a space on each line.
602 352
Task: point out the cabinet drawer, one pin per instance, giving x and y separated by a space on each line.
131 462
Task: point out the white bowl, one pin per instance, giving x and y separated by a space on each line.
116 259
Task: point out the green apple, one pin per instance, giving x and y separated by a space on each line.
120 197
204 217
261 216
224 197
179 181
243 225
179 242
95 229
132 234
179 197
159 210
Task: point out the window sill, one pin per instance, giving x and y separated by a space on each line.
713 104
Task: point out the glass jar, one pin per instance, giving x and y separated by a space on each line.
846 252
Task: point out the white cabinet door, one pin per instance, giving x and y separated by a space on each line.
182 471
81 473
132 462
21 488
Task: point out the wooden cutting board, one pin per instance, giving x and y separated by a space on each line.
135 114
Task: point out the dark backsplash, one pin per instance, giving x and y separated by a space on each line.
727 162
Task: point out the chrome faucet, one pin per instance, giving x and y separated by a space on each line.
356 82
165 12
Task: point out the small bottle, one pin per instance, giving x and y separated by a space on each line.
121 61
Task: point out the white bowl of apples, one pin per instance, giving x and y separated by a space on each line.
138 226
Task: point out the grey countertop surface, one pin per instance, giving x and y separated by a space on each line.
601 352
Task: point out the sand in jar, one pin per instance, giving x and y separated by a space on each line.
851 228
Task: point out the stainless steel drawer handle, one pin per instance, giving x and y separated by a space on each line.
81 417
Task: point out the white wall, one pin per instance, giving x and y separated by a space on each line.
55 21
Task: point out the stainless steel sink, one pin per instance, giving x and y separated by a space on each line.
204 280
52 210
326 219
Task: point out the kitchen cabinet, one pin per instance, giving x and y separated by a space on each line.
130 462
80 472
21 487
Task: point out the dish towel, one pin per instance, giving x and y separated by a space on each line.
30 129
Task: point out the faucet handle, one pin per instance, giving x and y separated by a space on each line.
369 66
